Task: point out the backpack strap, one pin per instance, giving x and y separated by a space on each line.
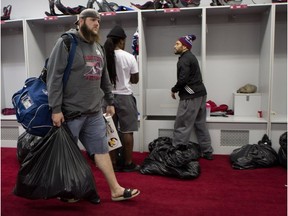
103 53
71 44
72 50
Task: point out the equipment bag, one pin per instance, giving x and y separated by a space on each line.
31 102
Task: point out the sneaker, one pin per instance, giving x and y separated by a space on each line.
131 167
208 156
68 200
95 200
117 169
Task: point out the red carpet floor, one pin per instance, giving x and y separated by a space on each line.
218 191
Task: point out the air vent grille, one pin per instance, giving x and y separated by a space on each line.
165 133
9 133
234 137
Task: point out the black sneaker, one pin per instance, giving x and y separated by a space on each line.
95 200
117 169
208 156
131 167
68 200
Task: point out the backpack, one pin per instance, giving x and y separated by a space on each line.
31 102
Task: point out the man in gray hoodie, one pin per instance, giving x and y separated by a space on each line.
79 104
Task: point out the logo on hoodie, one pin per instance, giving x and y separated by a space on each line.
95 65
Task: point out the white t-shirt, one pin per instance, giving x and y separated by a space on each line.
126 65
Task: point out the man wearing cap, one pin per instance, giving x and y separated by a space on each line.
123 71
191 111
79 104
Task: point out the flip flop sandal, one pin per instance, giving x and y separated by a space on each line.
126 195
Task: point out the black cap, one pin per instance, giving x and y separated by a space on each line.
88 13
118 32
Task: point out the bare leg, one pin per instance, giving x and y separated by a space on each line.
104 163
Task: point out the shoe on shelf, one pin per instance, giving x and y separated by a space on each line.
208 156
131 167
68 200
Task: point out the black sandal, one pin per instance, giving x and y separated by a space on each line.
126 195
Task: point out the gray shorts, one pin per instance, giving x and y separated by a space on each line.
91 131
126 114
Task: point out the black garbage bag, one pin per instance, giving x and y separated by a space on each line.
56 167
182 154
25 143
190 170
187 171
253 156
167 160
160 141
161 149
283 141
282 152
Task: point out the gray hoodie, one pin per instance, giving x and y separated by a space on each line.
88 81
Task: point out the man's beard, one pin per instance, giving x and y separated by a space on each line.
89 35
177 52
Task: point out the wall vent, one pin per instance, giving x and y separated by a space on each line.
165 133
234 137
9 133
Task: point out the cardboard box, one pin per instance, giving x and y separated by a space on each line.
247 104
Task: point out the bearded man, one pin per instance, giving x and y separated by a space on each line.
79 103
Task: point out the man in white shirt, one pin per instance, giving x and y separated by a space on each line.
123 71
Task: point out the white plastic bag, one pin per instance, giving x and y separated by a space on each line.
114 141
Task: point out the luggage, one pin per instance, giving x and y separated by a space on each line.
31 102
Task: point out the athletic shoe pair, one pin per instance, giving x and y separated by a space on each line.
127 168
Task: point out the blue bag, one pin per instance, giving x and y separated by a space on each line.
31 102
